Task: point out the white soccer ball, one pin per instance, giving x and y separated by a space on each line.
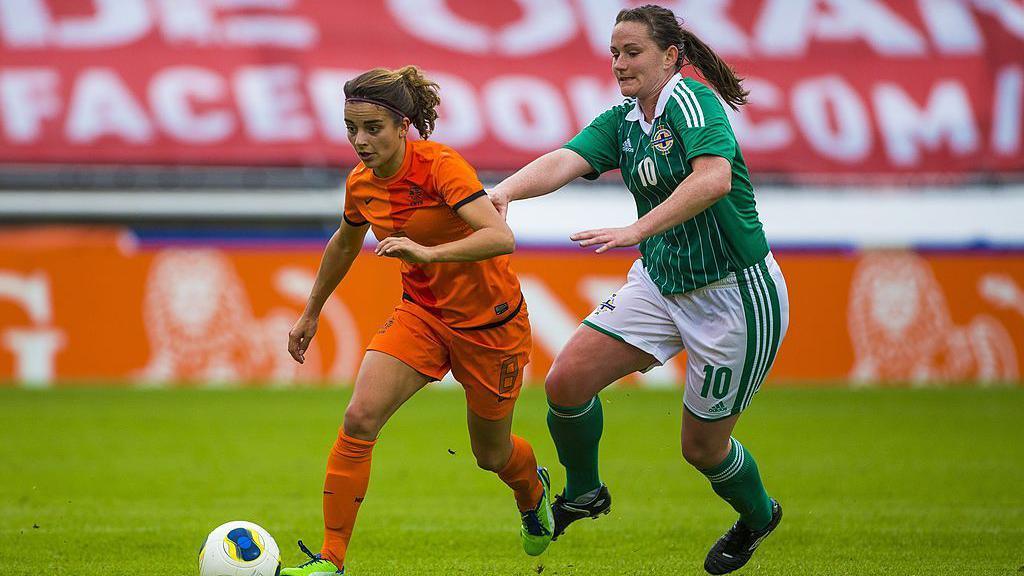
239 549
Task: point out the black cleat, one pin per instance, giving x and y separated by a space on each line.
567 512
735 548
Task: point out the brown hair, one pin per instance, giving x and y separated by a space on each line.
405 92
667 30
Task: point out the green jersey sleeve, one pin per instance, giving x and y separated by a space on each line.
699 118
598 142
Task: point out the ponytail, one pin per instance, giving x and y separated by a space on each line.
715 70
425 99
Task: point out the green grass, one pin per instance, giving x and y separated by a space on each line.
114 482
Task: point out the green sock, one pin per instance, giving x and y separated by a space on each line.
738 482
576 432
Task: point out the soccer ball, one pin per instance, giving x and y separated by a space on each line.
239 549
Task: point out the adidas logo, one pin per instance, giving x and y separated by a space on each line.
718 408
627 145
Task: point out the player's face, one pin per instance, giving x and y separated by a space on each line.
375 135
638 64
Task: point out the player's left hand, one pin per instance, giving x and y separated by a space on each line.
404 249
608 238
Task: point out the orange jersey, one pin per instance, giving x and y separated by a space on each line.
420 201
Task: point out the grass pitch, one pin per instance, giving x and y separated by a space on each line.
110 482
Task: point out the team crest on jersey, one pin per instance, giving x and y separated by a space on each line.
662 140
415 195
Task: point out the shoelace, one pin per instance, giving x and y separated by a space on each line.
533 525
737 538
563 503
313 558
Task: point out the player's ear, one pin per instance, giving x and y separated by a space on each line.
671 57
403 127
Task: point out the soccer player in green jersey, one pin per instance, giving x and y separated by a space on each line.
706 281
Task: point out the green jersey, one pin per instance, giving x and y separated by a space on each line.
689 121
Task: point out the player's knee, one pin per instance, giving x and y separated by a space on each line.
491 459
562 386
361 423
554 386
702 453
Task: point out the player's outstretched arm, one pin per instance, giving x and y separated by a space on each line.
542 176
340 252
710 180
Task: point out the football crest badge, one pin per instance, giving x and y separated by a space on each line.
662 140
415 196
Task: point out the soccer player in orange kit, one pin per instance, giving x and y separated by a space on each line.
461 310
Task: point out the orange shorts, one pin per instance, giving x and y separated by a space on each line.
487 362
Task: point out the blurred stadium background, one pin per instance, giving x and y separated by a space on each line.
170 171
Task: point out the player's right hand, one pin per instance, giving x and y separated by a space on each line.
500 202
300 336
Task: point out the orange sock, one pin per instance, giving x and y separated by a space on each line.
348 474
521 475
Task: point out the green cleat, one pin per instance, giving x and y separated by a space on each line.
537 523
317 565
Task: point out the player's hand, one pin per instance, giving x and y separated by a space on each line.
300 336
500 202
608 238
404 249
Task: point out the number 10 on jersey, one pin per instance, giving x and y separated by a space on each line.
648 172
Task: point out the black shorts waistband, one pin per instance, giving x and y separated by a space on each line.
499 323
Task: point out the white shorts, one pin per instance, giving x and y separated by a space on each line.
731 330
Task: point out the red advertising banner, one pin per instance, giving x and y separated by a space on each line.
86 307
837 87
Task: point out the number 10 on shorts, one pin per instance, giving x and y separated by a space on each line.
717 381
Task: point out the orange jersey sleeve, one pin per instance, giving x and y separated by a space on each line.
351 213
456 180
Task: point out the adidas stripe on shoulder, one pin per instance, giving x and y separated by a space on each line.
689 105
